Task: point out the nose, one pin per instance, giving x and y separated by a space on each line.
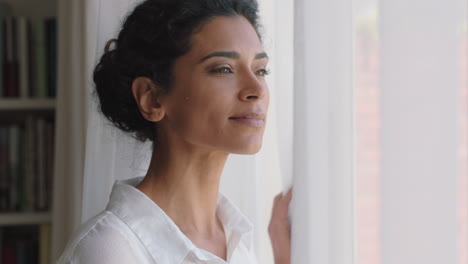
253 88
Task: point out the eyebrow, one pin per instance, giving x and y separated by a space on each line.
231 55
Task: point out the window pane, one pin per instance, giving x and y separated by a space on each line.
368 124
462 191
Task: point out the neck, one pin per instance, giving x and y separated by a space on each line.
184 182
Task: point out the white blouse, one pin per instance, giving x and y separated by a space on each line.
134 229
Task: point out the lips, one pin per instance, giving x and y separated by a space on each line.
250 119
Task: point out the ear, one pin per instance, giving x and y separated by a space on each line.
148 98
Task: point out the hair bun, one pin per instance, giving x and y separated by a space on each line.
109 44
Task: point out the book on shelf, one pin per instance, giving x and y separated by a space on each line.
5 10
10 87
39 60
22 33
51 44
26 165
29 56
13 164
25 244
3 168
44 243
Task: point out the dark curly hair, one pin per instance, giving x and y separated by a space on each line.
152 37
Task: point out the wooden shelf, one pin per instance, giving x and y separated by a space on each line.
8 219
27 104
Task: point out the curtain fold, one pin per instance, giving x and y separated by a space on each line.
70 131
323 149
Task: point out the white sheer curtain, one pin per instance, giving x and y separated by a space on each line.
322 219
70 123
110 155
396 67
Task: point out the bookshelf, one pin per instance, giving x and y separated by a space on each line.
27 104
28 53
14 219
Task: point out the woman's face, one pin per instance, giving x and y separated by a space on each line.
219 98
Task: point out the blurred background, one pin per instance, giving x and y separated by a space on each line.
368 122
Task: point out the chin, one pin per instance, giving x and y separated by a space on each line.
247 149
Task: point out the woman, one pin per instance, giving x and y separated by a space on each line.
190 77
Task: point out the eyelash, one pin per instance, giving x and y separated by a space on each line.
265 72
222 70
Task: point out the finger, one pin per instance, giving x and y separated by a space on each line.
285 198
283 205
276 203
278 197
288 195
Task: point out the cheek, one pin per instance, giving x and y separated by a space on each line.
199 116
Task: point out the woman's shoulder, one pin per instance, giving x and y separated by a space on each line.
104 238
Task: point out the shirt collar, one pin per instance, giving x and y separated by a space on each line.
160 235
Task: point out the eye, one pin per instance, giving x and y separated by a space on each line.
222 70
262 72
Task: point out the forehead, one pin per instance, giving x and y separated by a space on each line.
226 33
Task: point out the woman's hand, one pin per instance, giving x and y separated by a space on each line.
280 229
